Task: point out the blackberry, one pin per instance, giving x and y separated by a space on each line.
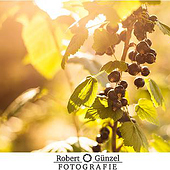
139 82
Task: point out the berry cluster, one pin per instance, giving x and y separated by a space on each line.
116 95
142 54
144 24
101 138
141 23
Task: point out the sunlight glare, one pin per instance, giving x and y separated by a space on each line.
54 8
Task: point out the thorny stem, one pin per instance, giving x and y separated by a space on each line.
123 58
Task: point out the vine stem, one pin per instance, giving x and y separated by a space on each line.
123 58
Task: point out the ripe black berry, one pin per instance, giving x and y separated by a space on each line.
139 82
114 76
124 102
145 71
149 42
123 35
140 35
96 148
150 58
132 55
99 138
119 89
124 84
118 132
107 90
133 69
104 135
138 26
117 104
153 52
110 51
153 18
112 95
142 47
104 129
124 118
149 27
140 58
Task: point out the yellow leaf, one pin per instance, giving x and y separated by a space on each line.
41 46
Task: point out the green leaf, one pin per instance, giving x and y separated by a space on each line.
111 65
164 28
159 144
100 109
133 136
84 94
123 66
146 111
155 92
76 42
103 40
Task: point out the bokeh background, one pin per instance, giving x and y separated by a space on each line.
33 37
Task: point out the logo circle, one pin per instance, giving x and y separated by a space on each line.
87 158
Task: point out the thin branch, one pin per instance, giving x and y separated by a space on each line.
126 45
